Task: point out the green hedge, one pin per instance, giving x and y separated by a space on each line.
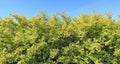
60 39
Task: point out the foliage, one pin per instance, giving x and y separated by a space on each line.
60 39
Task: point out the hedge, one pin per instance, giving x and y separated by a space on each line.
60 39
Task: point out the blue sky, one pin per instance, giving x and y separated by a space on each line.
73 7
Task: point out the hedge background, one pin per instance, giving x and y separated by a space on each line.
60 39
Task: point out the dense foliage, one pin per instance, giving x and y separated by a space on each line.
60 39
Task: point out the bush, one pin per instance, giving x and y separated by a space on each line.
88 39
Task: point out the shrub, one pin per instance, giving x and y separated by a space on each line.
88 39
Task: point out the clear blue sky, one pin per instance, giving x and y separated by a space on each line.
73 7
